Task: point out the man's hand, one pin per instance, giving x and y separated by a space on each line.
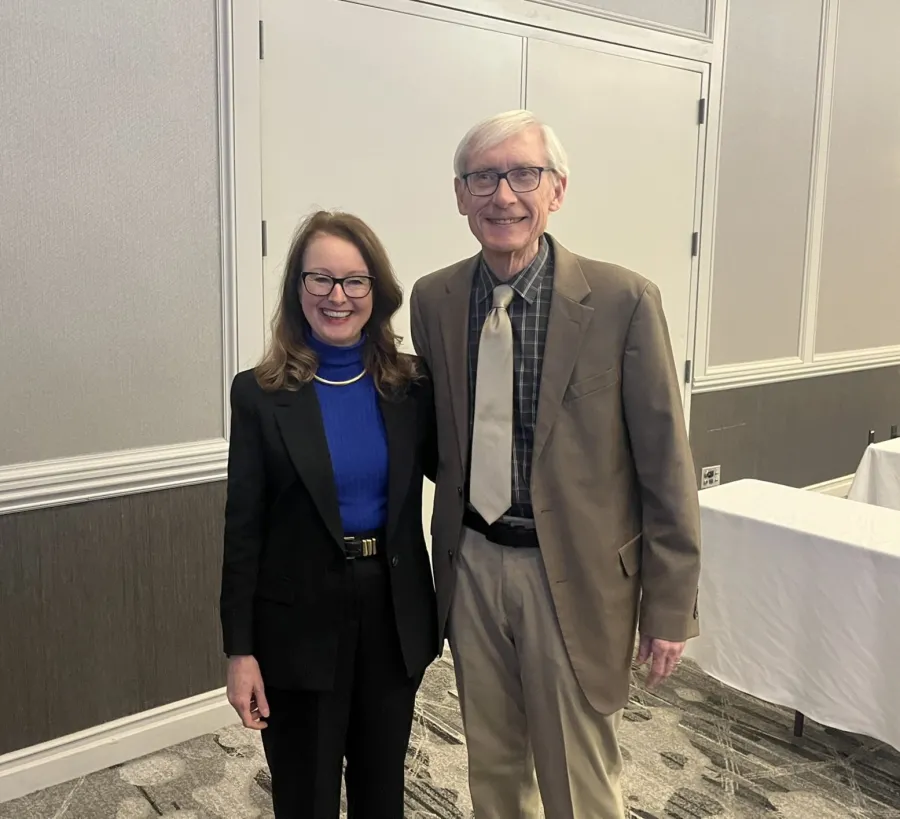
246 692
664 657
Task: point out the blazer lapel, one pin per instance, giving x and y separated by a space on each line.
568 322
455 334
400 426
299 419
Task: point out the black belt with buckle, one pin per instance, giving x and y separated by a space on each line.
365 545
516 536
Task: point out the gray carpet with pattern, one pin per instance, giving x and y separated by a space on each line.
693 749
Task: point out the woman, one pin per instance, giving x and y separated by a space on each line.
327 604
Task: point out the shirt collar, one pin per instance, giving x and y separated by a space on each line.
526 283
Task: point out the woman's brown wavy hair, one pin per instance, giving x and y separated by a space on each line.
289 362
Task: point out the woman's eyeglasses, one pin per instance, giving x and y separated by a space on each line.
321 284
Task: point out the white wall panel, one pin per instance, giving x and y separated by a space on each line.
765 165
859 285
110 279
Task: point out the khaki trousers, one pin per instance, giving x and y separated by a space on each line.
522 708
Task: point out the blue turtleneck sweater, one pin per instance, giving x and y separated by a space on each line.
356 437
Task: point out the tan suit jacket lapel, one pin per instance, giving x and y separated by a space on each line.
455 334
568 322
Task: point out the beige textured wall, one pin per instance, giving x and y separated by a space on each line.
110 270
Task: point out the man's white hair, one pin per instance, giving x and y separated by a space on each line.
492 131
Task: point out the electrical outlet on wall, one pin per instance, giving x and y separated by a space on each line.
710 476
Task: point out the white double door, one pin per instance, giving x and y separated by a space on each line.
362 109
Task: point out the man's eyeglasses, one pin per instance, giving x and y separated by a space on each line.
321 284
520 180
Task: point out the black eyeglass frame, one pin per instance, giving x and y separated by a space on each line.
504 175
336 280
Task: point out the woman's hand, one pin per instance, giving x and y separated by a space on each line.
246 692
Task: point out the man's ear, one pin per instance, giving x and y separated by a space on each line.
559 192
459 188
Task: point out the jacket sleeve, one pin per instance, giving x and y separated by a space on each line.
654 416
418 328
429 425
244 521
427 409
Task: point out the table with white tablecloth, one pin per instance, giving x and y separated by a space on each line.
877 479
800 603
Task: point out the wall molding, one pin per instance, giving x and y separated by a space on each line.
227 202
877 356
580 7
90 477
564 17
818 183
95 749
242 63
754 373
715 110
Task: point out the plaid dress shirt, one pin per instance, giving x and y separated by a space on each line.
528 314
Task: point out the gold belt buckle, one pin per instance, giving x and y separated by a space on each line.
369 546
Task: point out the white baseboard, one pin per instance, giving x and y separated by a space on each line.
839 487
70 757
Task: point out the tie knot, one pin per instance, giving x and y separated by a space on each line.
503 295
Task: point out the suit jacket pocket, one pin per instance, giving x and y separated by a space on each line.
276 590
630 556
590 385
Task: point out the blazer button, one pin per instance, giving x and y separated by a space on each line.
395 560
459 491
450 553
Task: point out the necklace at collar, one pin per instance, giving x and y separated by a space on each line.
340 383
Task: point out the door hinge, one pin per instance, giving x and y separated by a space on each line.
265 239
688 371
701 111
262 41
695 244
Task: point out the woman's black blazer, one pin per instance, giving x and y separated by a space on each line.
284 575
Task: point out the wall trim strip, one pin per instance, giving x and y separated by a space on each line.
563 17
227 202
753 373
95 749
90 477
580 7
818 185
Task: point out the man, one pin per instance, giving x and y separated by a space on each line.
566 510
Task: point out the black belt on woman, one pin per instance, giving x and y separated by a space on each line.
367 544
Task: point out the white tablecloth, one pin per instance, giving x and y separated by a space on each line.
800 603
877 480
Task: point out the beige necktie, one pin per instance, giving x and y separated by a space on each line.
490 485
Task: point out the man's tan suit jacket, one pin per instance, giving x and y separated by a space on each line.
612 486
